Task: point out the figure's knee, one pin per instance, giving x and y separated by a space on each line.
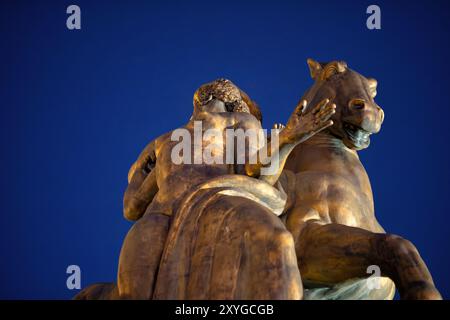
140 256
149 226
152 220
145 240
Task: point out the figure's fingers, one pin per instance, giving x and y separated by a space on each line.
323 125
320 105
325 119
326 112
300 107
278 126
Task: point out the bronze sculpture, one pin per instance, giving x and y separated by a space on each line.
332 219
213 232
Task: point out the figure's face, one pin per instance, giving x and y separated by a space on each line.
214 105
218 105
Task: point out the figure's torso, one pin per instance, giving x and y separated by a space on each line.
175 179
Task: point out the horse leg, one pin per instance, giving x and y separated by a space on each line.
333 253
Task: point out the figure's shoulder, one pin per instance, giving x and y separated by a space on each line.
162 138
246 120
160 141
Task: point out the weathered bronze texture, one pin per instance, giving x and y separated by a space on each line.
337 236
221 231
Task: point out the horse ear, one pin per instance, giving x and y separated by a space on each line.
333 68
372 86
315 68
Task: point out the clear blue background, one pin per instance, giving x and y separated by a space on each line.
78 106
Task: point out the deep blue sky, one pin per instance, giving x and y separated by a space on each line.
78 106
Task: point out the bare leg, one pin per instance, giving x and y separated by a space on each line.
140 256
333 253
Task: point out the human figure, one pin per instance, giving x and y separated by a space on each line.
202 227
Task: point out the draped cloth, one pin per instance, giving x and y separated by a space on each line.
226 242
372 288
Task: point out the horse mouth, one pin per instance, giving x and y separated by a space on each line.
357 136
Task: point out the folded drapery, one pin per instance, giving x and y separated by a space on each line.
226 242
372 288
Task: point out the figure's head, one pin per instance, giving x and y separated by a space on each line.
357 114
222 95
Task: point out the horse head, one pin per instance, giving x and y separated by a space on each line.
357 114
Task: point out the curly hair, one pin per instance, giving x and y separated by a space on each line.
226 91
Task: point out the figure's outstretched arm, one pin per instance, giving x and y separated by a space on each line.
300 127
142 185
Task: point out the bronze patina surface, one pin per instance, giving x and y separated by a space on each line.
221 231
211 231
337 236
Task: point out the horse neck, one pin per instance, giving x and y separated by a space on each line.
327 141
322 149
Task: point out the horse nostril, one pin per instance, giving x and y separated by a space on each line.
357 104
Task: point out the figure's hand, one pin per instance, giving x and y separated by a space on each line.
146 160
278 126
303 125
143 166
